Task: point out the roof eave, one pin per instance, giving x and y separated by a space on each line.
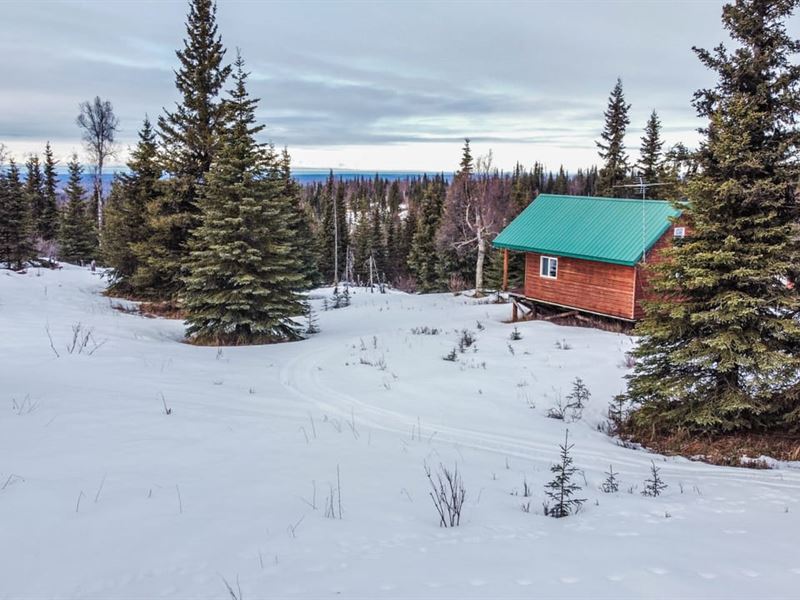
602 259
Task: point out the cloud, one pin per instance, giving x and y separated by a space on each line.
352 75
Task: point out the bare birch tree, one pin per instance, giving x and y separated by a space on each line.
99 125
477 205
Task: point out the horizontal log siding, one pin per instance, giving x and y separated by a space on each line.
654 257
592 286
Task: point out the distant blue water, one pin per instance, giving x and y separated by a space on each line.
303 176
319 175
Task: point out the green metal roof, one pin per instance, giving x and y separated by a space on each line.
609 230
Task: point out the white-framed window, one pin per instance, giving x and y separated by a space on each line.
679 232
548 267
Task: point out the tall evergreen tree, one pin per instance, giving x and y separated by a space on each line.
377 244
126 231
34 190
190 136
395 258
327 242
395 197
334 235
650 152
16 247
47 224
304 242
467 164
611 146
360 245
242 278
77 233
561 185
423 260
721 350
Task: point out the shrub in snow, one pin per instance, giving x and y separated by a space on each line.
466 341
558 411
515 335
562 489
425 330
448 494
563 345
479 326
451 356
570 409
655 485
611 483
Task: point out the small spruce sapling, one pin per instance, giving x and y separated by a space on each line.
515 335
561 489
312 326
617 412
577 399
655 485
611 483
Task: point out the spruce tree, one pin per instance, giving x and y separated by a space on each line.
304 242
34 190
611 146
650 152
394 248
467 164
654 486
562 489
720 350
377 244
395 198
361 247
327 241
126 232
334 236
47 224
77 233
16 247
561 184
423 260
190 136
241 281
342 227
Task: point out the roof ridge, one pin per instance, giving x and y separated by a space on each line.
578 197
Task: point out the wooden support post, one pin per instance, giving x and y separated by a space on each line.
505 269
514 312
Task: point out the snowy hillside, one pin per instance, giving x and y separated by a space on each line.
104 495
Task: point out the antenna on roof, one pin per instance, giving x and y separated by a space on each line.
643 186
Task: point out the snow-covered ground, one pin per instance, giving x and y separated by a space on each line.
103 495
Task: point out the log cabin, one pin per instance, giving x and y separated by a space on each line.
586 255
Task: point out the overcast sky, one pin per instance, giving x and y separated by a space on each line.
372 85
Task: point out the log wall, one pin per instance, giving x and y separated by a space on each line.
592 286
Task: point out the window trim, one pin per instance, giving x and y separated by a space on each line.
550 260
679 232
